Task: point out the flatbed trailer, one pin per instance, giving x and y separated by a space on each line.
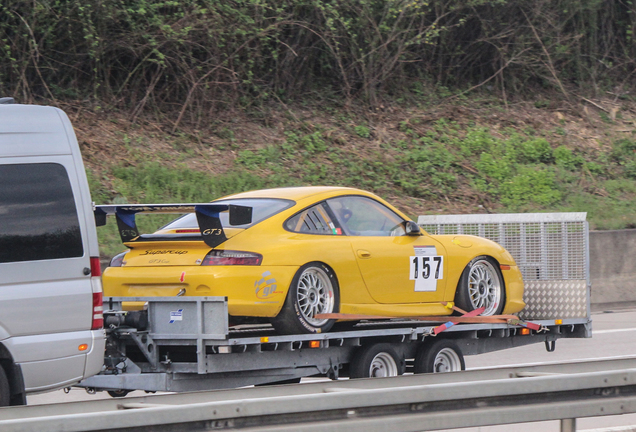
185 343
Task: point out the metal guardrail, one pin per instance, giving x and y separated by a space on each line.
406 403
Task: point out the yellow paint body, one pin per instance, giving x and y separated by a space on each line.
372 272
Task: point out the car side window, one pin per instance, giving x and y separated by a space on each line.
38 217
314 220
362 216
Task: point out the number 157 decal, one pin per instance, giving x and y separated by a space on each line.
425 271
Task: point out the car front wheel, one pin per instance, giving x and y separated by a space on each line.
313 291
481 285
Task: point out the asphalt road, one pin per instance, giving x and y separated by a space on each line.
614 335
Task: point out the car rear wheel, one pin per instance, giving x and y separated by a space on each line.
314 290
441 356
481 285
376 361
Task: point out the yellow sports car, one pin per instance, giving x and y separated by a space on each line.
286 255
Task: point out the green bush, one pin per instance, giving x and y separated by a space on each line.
531 186
362 131
535 151
564 157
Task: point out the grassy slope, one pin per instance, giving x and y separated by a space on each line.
476 155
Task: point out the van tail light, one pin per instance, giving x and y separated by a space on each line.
98 312
96 285
96 268
231 257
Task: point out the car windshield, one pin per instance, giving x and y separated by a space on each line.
262 208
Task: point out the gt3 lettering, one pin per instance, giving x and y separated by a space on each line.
216 231
425 271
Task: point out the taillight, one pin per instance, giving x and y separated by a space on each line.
98 311
118 260
230 257
96 285
96 268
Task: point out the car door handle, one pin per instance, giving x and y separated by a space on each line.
364 253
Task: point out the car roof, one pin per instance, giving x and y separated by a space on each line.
305 195
297 193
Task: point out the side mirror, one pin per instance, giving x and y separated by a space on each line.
412 229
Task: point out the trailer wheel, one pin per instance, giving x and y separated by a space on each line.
441 356
5 390
379 360
481 284
118 393
313 290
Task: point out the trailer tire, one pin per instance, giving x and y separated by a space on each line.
5 390
441 356
313 290
378 360
481 284
118 393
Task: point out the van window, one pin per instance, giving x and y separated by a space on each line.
38 218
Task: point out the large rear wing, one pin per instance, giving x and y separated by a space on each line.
208 218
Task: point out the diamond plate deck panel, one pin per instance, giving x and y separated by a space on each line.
553 299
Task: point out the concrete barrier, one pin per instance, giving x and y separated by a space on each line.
613 267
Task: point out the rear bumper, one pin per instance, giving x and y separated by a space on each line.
51 361
258 291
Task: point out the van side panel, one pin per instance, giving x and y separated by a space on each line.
50 310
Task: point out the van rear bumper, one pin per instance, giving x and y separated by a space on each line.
52 361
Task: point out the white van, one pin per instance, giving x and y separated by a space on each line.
51 322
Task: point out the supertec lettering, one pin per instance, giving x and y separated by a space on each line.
165 252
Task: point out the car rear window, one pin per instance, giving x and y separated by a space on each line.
262 208
38 217
314 220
